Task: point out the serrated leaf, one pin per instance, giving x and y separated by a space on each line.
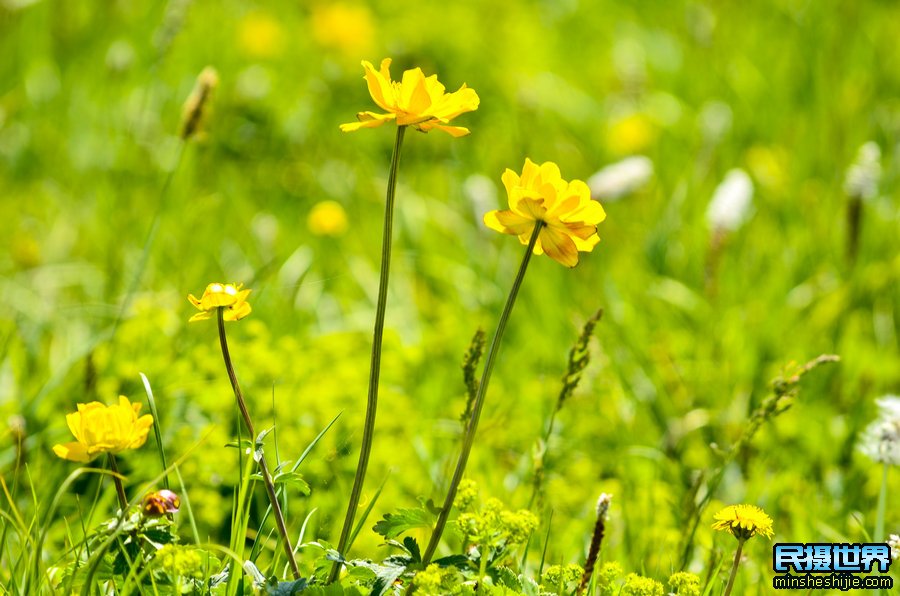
458 561
412 547
159 537
287 588
334 589
504 576
398 560
394 524
384 579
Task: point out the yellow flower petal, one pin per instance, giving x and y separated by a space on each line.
73 452
558 246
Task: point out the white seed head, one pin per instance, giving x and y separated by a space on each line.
732 202
881 439
621 178
894 543
864 174
603 504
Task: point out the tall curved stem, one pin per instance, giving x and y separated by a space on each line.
375 364
259 456
469 438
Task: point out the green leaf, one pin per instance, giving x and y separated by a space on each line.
277 588
384 579
458 561
294 479
504 576
412 547
394 524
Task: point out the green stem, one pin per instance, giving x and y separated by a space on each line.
734 567
161 202
375 363
117 479
882 506
469 439
258 455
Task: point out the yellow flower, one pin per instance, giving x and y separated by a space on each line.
343 26
540 194
260 35
230 297
415 100
99 428
744 521
327 218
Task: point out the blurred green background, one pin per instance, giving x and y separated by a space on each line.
788 90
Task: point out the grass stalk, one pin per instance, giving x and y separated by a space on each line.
375 364
469 439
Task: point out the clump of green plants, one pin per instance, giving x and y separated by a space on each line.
465 543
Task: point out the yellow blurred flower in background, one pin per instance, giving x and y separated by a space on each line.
415 100
744 521
631 134
99 428
540 194
231 297
260 35
345 27
327 218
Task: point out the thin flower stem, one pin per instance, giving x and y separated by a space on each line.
261 459
469 439
882 507
117 479
375 364
734 567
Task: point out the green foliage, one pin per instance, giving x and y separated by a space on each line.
394 524
684 584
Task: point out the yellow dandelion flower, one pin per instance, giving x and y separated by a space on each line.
415 100
744 521
539 194
327 218
99 428
231 297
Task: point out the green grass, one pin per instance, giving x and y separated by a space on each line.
90 101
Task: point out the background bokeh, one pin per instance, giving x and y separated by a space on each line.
788 90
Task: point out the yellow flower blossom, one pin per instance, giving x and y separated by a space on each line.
347 27
231 297
415 100
99 428
260 35
327 218
744 521
540 194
